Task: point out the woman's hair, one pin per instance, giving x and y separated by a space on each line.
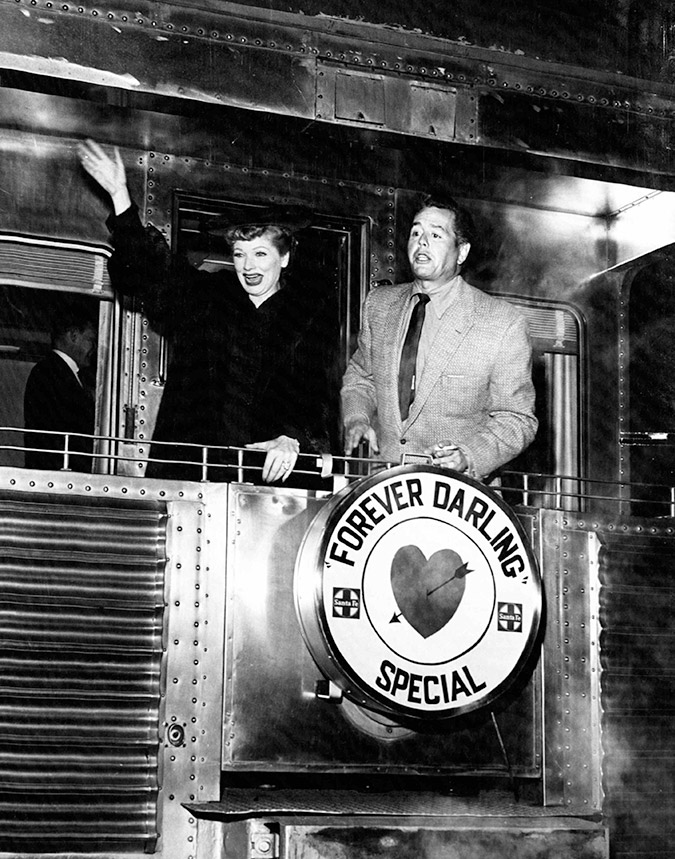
281 237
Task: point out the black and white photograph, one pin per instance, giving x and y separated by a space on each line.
337 429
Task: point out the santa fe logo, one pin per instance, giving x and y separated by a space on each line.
418 594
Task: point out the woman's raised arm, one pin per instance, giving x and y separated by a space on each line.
108 172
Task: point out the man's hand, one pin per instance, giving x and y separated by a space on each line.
355 431
282 453
448 455
108 172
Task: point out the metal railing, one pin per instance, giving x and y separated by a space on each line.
243 465
209 462
576 494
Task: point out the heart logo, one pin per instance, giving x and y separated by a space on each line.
428 592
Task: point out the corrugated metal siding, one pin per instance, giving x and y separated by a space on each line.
81 626
638 684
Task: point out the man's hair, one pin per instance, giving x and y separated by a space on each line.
71 317
281 237
465 229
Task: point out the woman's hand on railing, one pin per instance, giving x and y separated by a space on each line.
282 454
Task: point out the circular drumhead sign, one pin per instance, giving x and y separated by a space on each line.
418 594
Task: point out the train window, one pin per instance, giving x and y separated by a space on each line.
25 338
333 249
38 276
556 332
651 391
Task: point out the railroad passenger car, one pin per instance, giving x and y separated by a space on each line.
175 668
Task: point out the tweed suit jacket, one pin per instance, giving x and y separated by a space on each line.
475 390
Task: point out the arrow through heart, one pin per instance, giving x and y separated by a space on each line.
428 592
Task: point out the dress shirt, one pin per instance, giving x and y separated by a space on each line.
441 301
70 362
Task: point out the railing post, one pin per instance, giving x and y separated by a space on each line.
66 453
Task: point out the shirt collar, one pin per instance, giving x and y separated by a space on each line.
69 361
442 297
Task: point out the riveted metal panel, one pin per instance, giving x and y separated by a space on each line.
360 97
580 128
272 61
239 181
425 108
571 708
233 181
111 619
636 561
428 59
194 644
608 699
181 54
491 838
433 110
576 86
31 164
274 720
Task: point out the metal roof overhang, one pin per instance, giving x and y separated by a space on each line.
370 80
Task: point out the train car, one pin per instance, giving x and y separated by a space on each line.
222 669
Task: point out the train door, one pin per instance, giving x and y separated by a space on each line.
329 258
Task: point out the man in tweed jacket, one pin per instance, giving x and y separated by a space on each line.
473 406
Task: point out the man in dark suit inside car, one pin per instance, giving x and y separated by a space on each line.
56 399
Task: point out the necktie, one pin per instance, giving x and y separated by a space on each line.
406 373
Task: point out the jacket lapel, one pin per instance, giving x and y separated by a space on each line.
455 325
393 334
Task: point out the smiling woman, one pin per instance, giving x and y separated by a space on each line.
260 253
241 348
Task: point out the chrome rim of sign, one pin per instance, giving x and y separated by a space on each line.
418 594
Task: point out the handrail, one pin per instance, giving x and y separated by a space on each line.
529 489
322 465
